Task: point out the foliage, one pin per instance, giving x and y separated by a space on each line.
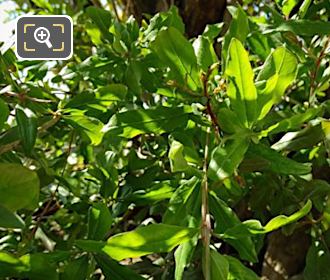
146 150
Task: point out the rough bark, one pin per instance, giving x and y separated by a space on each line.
285 255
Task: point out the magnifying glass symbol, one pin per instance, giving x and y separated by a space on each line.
41 35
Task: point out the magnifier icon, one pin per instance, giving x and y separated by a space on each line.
41 35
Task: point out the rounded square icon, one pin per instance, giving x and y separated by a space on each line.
44 37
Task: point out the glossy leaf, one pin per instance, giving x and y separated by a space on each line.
277 73
241 90
86 125
251 227
176 156
204 52
225 160
176 52
156 120
142 241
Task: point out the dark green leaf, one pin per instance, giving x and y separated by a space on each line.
176 52
27 127
99 221
76 269
102 19
274 161
18 192
225 219
219 266
225 160
304 27
4 113
156 120
9 219
114 271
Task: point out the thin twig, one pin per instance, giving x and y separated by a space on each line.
53 194
206 224
24 96
15 144
313 85
114 6
214 120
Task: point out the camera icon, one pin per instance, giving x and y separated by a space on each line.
44 37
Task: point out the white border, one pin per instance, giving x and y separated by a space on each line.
47 58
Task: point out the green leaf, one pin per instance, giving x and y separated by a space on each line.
175 51
292 123
229 121
253 227
283 220
304 27
176 156
110 93
27 127
288 5
76 269
212 31
18 192
103 19
225 160
225 218
204 52
99 221
277 73
239 28
32 266
184 204
141 242
86 125
317 262
4 113
219 266
238 271
9 219
114 271
183 255
241 89
304 8
274 161
304 138
155 120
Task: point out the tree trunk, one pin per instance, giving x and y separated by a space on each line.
196 14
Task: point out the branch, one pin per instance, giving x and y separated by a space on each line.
206 224
13 145
214 120
313 86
